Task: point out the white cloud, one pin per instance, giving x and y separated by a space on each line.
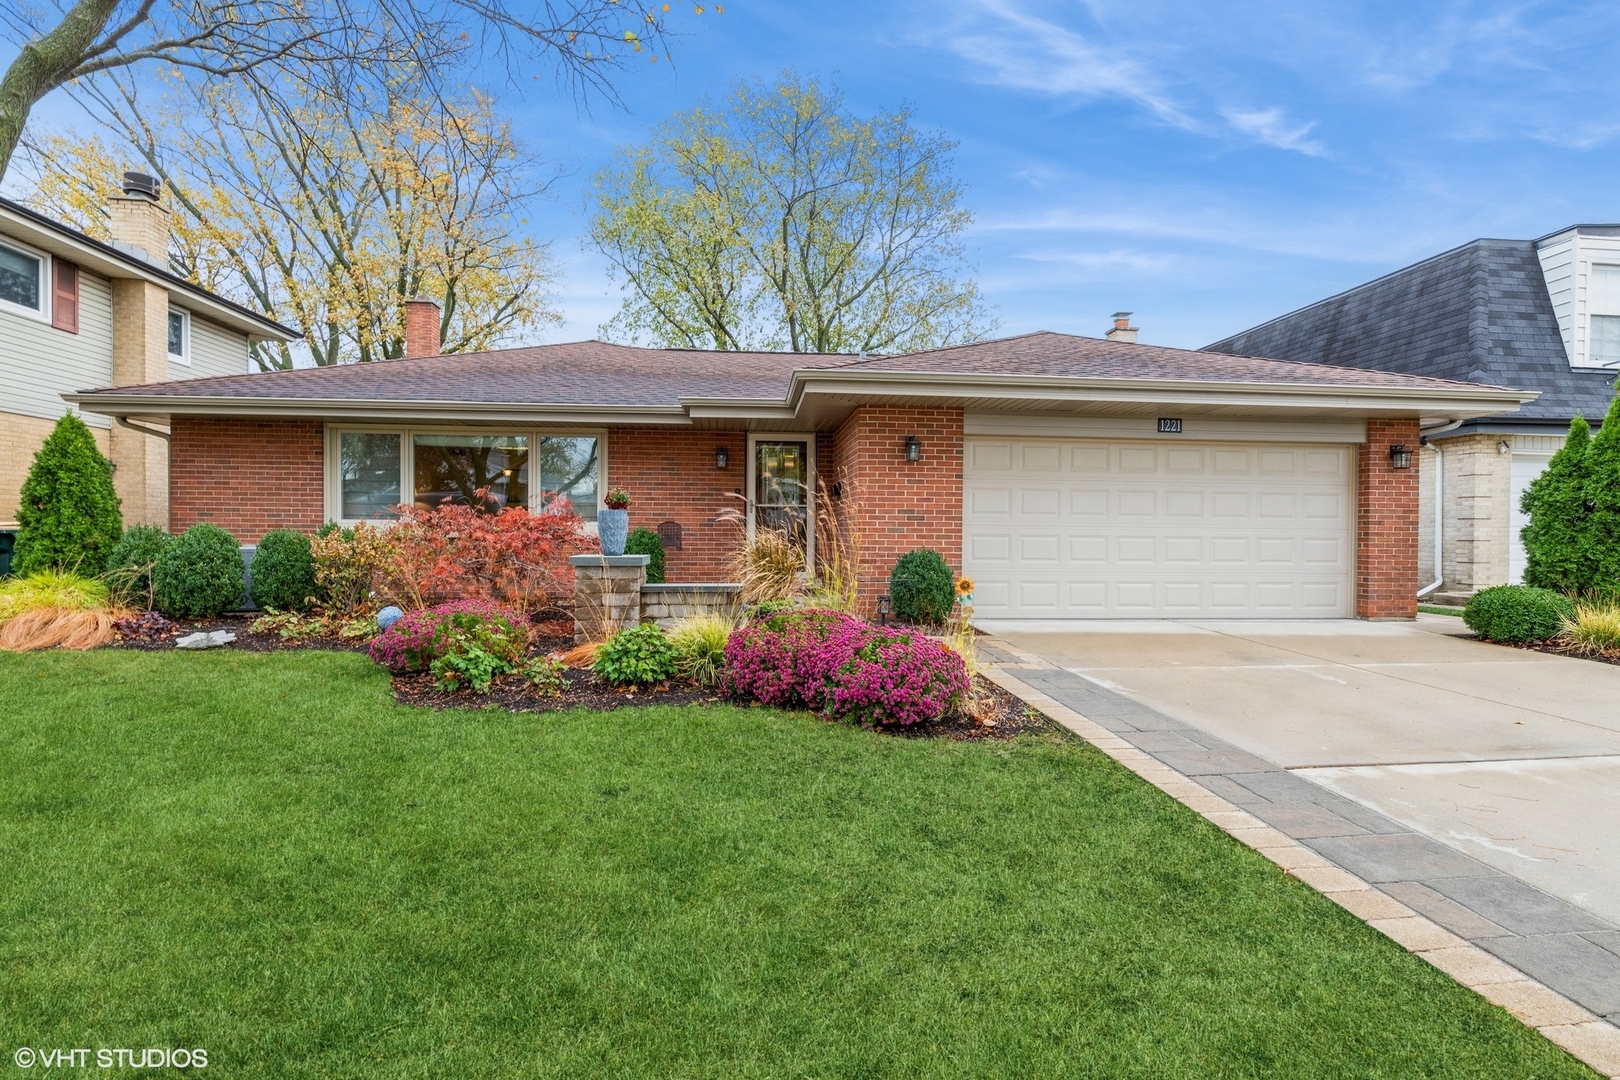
1272 128
1009 47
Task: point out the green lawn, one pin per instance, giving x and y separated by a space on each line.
263 856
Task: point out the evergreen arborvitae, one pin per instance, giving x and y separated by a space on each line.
1555 502
67 516
1600 547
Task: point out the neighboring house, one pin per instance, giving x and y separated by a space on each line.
1069 477
76 312
1542 314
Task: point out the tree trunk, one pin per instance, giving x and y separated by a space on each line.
43 65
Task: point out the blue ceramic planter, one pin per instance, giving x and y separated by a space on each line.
613 529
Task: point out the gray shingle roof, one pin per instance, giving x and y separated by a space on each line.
1479 313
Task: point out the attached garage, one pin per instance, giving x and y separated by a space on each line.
1088 528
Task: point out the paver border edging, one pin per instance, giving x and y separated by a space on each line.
1582 1033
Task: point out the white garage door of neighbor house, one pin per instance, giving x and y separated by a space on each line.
1087 529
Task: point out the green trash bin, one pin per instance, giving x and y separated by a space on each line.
8 541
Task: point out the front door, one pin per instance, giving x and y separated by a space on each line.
782 486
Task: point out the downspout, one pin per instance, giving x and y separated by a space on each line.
1439 505
154 432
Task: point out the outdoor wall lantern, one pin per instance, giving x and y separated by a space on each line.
721 458
1400 457
1504 447
913 448
885 605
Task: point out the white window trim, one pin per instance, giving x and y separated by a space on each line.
184 355
407 460
46 287
809 439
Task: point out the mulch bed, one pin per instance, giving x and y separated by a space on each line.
1558 649
1008 715
237 624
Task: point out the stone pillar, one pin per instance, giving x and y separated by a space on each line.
607 594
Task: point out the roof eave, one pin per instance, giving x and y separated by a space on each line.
113 404
109 262
1462 401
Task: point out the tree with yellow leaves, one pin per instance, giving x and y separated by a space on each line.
781 220
327 208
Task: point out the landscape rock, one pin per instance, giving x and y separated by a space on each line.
210 639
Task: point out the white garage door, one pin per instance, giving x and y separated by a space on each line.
1086 529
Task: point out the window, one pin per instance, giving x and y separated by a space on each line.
368 474
781 482
460 469
180 336
375 471
22 281
568 470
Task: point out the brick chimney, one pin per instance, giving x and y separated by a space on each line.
1122 330
140 223
422 327
140 346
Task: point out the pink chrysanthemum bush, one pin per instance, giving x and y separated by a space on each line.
421 637
836 664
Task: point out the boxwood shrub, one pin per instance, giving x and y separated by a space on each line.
283 575
1517 614
129 567
643 541
922 587
199 575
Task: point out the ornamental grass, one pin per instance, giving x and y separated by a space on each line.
1594 629
57 628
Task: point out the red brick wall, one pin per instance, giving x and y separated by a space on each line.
670 475
894 505
1387 524
246 476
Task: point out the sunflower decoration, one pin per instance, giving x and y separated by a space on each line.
964 590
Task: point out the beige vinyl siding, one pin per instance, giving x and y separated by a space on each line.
214 351
38 363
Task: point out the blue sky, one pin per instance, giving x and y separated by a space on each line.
1206 166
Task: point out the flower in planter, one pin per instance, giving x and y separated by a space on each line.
617 499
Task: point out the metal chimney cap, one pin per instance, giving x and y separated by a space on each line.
138 183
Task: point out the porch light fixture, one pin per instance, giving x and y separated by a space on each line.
1400 457
721 458
1504 447
885 605
913 448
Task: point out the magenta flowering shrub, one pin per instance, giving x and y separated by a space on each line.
425 635
841 666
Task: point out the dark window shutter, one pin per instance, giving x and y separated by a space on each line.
65 296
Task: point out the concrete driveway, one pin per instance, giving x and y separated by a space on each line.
1510 756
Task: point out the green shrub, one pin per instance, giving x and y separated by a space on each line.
1555 503
545 676
283 574
67 512
1518 613
643 541
922 587
700 647
129 568
639 656
1600 538
199 575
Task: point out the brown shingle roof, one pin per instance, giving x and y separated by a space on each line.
1044 353
586 373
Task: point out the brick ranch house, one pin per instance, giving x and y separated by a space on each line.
1070 477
